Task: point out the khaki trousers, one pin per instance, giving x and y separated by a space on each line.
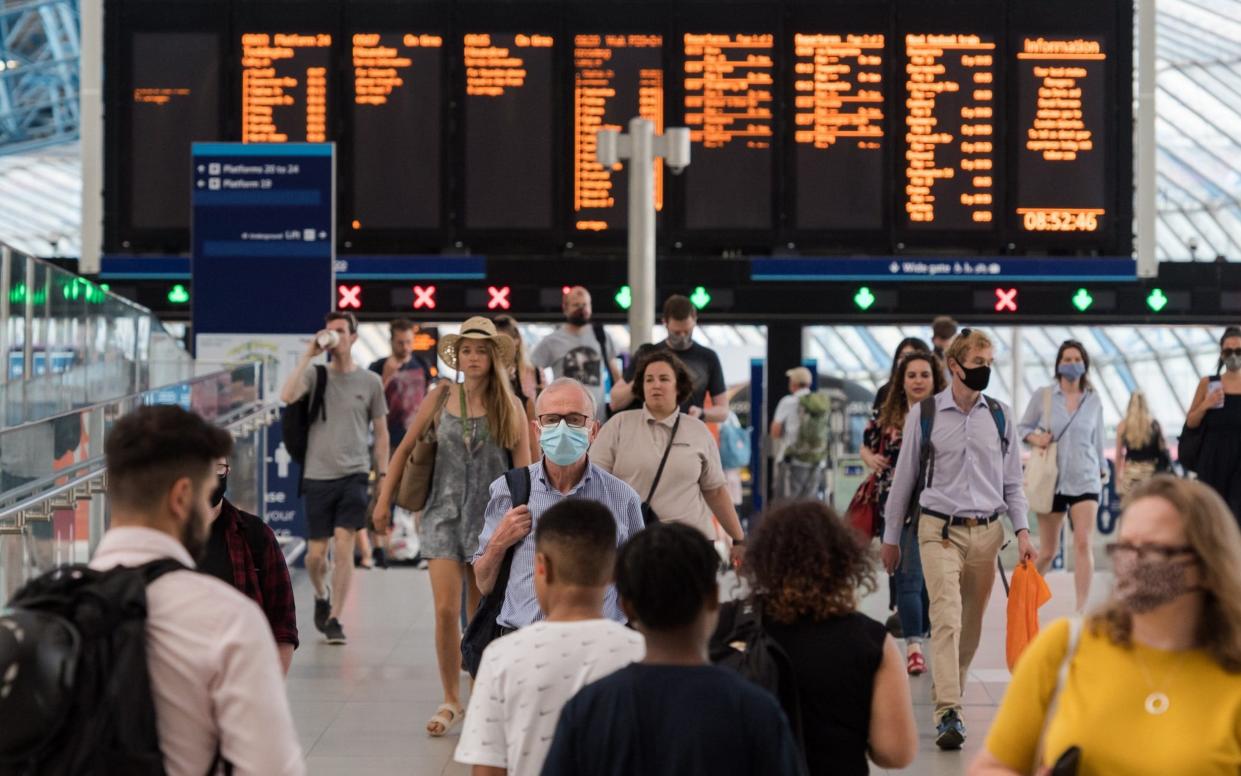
960 573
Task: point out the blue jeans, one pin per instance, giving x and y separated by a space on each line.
913 605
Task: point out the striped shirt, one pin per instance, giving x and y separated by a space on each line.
521 607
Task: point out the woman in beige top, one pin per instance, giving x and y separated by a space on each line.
692 488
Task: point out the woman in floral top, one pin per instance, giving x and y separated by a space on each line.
917 376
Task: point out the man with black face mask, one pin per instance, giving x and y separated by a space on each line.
972 476
243 551
215 680
580 349
703 363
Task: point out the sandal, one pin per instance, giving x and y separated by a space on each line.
916 664
446 716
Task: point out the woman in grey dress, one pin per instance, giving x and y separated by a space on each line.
480 430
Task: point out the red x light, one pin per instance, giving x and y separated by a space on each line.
349 297
1006 300
499 298
424 298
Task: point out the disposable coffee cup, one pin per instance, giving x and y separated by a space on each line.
328 340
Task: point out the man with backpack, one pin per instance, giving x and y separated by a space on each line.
580 349
958 471
346 405
139 664
800 427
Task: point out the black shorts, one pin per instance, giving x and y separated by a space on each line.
1061 502
332 504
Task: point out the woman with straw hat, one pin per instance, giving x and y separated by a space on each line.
480 430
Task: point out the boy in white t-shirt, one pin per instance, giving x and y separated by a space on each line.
527 676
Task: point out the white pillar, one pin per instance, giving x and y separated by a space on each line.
90 118
1148 265
641 230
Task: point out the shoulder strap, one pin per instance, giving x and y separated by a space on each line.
318 405
602 337
926 454
155 569
1001 422
439 404
518 481
1062 677
1047 408
660 471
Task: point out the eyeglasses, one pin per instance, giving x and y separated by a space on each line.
572 419
1144 551
222 470
1226 352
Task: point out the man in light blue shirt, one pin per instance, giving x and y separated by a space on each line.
566 426
973 476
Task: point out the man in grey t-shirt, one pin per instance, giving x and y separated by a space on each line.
574 349
337 466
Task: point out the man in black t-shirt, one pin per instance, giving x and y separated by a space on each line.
673 712
680 318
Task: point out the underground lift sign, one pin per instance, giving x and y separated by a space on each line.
263 254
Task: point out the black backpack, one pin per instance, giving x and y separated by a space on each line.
740 643
296 418
75 694
483 628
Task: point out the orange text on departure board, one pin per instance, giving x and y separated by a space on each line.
1059 133
378 69
269 78
594 87
490 71
927 129
838 87
728 89
159 95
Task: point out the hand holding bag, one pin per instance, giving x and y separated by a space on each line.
863 512
1042 471
649 517
419 469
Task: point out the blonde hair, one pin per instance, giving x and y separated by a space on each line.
967 341
507 324
503 422
1139 427
1212 532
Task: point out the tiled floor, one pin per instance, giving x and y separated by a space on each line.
361 708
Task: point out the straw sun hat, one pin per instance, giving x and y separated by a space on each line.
477 328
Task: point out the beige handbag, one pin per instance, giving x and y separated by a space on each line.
419 469
1042 470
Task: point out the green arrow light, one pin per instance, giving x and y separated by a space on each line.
178 295
1156 300
624 297
700 298
1082 300
864 298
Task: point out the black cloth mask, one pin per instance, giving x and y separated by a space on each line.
976 379
217 495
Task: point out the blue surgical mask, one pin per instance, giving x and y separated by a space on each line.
1071 370
564 445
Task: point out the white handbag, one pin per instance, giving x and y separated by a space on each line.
1041 470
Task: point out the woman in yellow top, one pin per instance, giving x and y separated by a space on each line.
1154 684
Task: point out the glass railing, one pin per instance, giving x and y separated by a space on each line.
52 509
69 342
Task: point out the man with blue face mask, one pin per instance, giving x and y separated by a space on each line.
565 424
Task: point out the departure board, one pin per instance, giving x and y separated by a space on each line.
174 101
949 131
284 87
1061 167
729 90
396 96
838 117
508 130
615 78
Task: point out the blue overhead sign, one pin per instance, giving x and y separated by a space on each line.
982 268
264 237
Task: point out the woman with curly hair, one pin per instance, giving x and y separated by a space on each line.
1151 683
807 570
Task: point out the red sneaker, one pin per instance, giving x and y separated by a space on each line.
916 664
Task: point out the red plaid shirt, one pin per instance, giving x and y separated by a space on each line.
274 592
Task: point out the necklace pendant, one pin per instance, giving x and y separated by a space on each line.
1157 703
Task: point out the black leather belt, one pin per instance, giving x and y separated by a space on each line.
968 522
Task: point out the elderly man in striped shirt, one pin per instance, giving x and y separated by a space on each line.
566 425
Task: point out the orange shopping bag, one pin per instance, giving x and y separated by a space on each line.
1027 594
